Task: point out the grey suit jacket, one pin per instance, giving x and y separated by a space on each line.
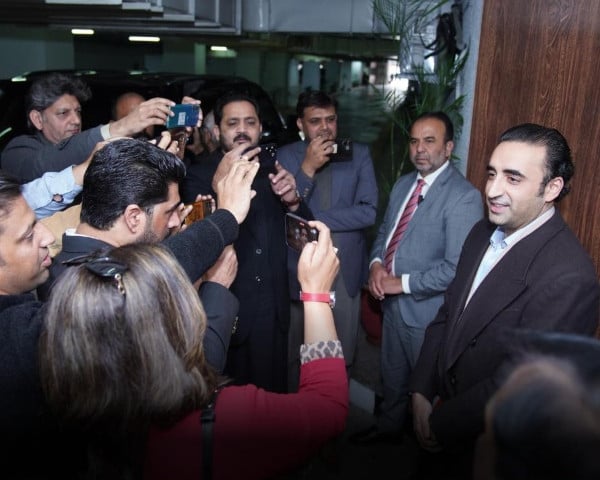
431 245
28 157
353 207
545 282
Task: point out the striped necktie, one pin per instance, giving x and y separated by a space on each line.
407 214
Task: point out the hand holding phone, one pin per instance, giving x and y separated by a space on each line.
267 155
200 210
298 232
186 115
342 150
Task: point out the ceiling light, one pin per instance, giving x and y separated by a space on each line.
139 38
217 48
82 31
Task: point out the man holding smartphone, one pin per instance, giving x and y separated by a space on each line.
258 348
336 179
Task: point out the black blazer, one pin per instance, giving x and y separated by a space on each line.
546 282
260 247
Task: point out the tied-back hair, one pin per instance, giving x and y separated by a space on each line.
121 362
125 172
558 161
49 88
10 190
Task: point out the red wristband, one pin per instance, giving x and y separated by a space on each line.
327 297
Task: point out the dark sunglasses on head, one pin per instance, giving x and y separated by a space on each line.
102 266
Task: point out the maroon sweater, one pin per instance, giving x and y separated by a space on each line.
257 434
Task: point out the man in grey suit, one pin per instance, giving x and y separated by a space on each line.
414 258
336 180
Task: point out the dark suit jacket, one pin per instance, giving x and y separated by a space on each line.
261 284
352 207
28 157
546 282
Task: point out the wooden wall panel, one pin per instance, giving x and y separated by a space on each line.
538 62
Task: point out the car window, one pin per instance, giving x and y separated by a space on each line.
107 86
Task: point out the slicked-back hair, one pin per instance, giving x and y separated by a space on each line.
558 162
49 88
442 117
231 97
127 172
10 190
125 360
316 99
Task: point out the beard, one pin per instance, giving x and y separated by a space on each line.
149 235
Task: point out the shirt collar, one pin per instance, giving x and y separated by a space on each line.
429 179
500 240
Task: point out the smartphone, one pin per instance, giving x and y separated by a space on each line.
298 232
200 210
267 155
186 115
342 150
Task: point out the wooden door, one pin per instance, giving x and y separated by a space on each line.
538 62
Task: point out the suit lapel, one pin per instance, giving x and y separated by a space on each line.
502 286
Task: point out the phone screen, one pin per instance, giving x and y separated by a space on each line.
298 232
186 115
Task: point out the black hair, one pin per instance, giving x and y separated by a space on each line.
230 97
314 98
48 89
125 172
559 162
10 190
442 117
548 426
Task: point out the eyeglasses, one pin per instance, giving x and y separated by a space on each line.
102 266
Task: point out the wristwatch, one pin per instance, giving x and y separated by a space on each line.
291 203
327 297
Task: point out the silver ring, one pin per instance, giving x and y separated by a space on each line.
244 157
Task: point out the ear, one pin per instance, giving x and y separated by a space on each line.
553 189
449 148
216 132
299 125
134 218
35 117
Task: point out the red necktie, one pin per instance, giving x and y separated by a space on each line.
407 214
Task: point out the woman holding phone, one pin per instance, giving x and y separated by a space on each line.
122 361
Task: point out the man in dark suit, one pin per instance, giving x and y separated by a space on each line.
258 349
522 267
341 191
413 260
130 195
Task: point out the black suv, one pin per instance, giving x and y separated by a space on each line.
106 86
